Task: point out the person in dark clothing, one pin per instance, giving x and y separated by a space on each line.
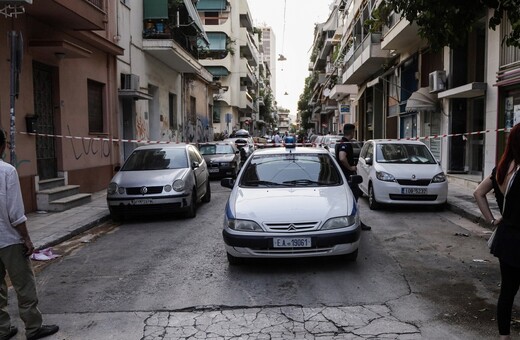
345 156
505 181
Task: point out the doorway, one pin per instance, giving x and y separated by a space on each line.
476 142
43 82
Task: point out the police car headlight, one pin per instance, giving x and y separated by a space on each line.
385 176
112 188
179 185
340 222
243 225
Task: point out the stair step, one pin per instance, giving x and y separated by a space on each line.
68 202
50 183
45 197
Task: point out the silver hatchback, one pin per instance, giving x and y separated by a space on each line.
158 179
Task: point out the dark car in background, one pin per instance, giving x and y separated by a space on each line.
223 159
245 145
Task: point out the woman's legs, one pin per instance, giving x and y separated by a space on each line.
508 289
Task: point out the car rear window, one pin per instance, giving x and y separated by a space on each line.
291 170
216 149
156 159
404 153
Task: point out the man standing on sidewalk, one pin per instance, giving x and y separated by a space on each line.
345 157
15 250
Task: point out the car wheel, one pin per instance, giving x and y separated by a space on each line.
372 203
192 209
116 217
234 260
440 207
207 197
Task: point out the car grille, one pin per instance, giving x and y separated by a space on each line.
150 191
418 182
413 197
291 227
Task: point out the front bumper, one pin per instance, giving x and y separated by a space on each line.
322 244
147 205
391 193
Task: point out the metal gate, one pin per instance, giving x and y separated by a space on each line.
44 111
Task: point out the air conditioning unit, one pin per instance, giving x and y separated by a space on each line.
129 82
437 81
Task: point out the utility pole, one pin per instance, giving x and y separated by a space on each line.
16 60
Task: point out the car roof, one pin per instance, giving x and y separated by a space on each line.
284 150
162 146
396 141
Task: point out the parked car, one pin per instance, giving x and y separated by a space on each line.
223 159
158 179
290 202
401 172
246 145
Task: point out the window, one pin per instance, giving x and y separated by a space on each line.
211 18
172 110
95 106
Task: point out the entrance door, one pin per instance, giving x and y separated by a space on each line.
44 110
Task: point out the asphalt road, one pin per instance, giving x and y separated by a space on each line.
419 274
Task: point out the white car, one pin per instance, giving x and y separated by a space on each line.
290 202
401 172
159 179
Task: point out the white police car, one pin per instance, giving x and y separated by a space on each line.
290 202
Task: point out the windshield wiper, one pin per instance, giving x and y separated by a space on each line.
303 182
259 182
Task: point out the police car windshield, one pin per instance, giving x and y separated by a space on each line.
291 170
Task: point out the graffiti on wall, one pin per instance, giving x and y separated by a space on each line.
199 132
89 146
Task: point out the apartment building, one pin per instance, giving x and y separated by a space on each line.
63 58
405 90
164 93
232 58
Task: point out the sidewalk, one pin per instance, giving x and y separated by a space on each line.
49 229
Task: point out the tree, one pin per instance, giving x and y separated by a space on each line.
303 104
448 22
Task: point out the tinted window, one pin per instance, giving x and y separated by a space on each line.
291 170
404 153
156 159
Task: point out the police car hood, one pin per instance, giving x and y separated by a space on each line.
291 204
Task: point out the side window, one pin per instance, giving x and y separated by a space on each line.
370 151
194 155
363 152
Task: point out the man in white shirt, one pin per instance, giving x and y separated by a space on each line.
15 250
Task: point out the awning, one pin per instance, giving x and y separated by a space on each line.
134 94
211 5
471 90
194 15
422 100
218 71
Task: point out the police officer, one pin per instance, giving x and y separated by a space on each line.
345 156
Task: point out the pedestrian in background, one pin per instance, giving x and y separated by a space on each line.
505 181
345 157
15 250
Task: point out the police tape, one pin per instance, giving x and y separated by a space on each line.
145 141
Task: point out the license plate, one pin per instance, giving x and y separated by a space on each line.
142 201
213 170
292 242
414 191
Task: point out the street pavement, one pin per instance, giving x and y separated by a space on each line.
48 229
289 322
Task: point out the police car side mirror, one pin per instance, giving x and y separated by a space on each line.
356 179
227 182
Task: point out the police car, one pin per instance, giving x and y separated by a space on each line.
290 202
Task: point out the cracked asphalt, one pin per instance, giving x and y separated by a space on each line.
358 322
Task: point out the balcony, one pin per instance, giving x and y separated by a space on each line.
327 45
364 60
173 55
248 48
246 73
338 92
245 15
78 15
400 35
246 100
